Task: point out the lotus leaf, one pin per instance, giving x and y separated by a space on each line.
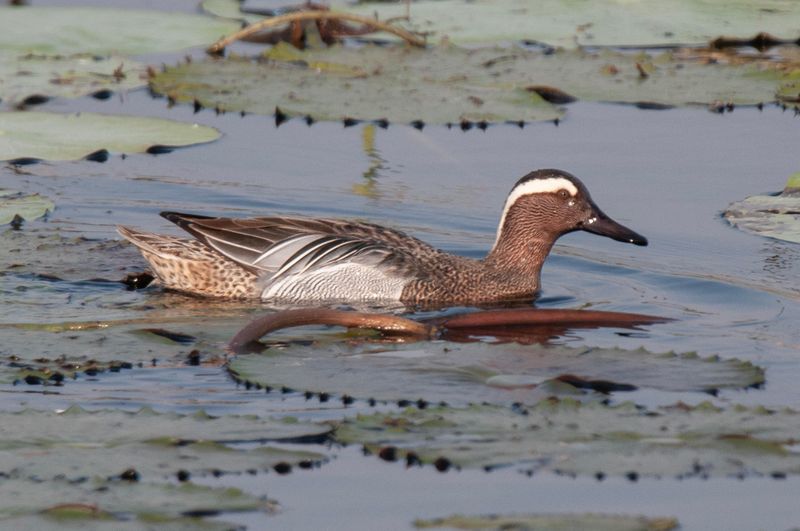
570 23
551 522
109 505
54 136
65 77
450 84
80 444
459 373
26 206
100 30
567 437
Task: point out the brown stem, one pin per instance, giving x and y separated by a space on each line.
549 316
388 324
219 46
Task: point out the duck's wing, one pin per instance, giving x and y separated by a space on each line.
282 246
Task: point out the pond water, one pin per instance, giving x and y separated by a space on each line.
666 174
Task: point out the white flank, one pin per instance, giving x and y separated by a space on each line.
534 186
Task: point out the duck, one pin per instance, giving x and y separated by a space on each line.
309 260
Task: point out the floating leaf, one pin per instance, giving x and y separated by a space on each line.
459 373
43 76
26 206
568 437
572 24
774 216
102 444
450 84
80 320
229 9
100 30
341 83
117 505
53 136
551 522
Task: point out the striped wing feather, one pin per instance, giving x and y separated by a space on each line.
282 246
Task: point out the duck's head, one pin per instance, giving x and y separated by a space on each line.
546 204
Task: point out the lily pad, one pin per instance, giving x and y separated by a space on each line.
54 136
450 84
117 505
774 216
80 320
551 522
459 373
567 437
40 76
100 30
341 83
103 444
571 24
26 206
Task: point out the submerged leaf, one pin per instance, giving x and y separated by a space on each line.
101 30
586 439
571 24
25 206
54 136
479 372
66 77
102 444
551 522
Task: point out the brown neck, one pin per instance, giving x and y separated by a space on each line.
520 250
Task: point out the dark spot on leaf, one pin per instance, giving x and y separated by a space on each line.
388 453
442 464
34 380
103 94
552 95
101 155
282 468
130 475
183 339
159 150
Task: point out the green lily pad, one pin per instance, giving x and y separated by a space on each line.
100 30
26 206
66 77
551 522
570 24
341 83
450 84
117 505
54 136
460 373
773 216
565 436
102 444
230 9
79 320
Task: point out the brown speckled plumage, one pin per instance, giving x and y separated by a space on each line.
299 259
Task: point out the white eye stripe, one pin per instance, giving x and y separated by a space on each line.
535 186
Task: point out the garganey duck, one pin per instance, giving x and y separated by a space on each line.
292 259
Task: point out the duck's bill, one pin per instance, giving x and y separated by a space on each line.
603 225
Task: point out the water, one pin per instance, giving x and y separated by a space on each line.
665 174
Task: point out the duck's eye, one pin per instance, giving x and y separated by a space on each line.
563 194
